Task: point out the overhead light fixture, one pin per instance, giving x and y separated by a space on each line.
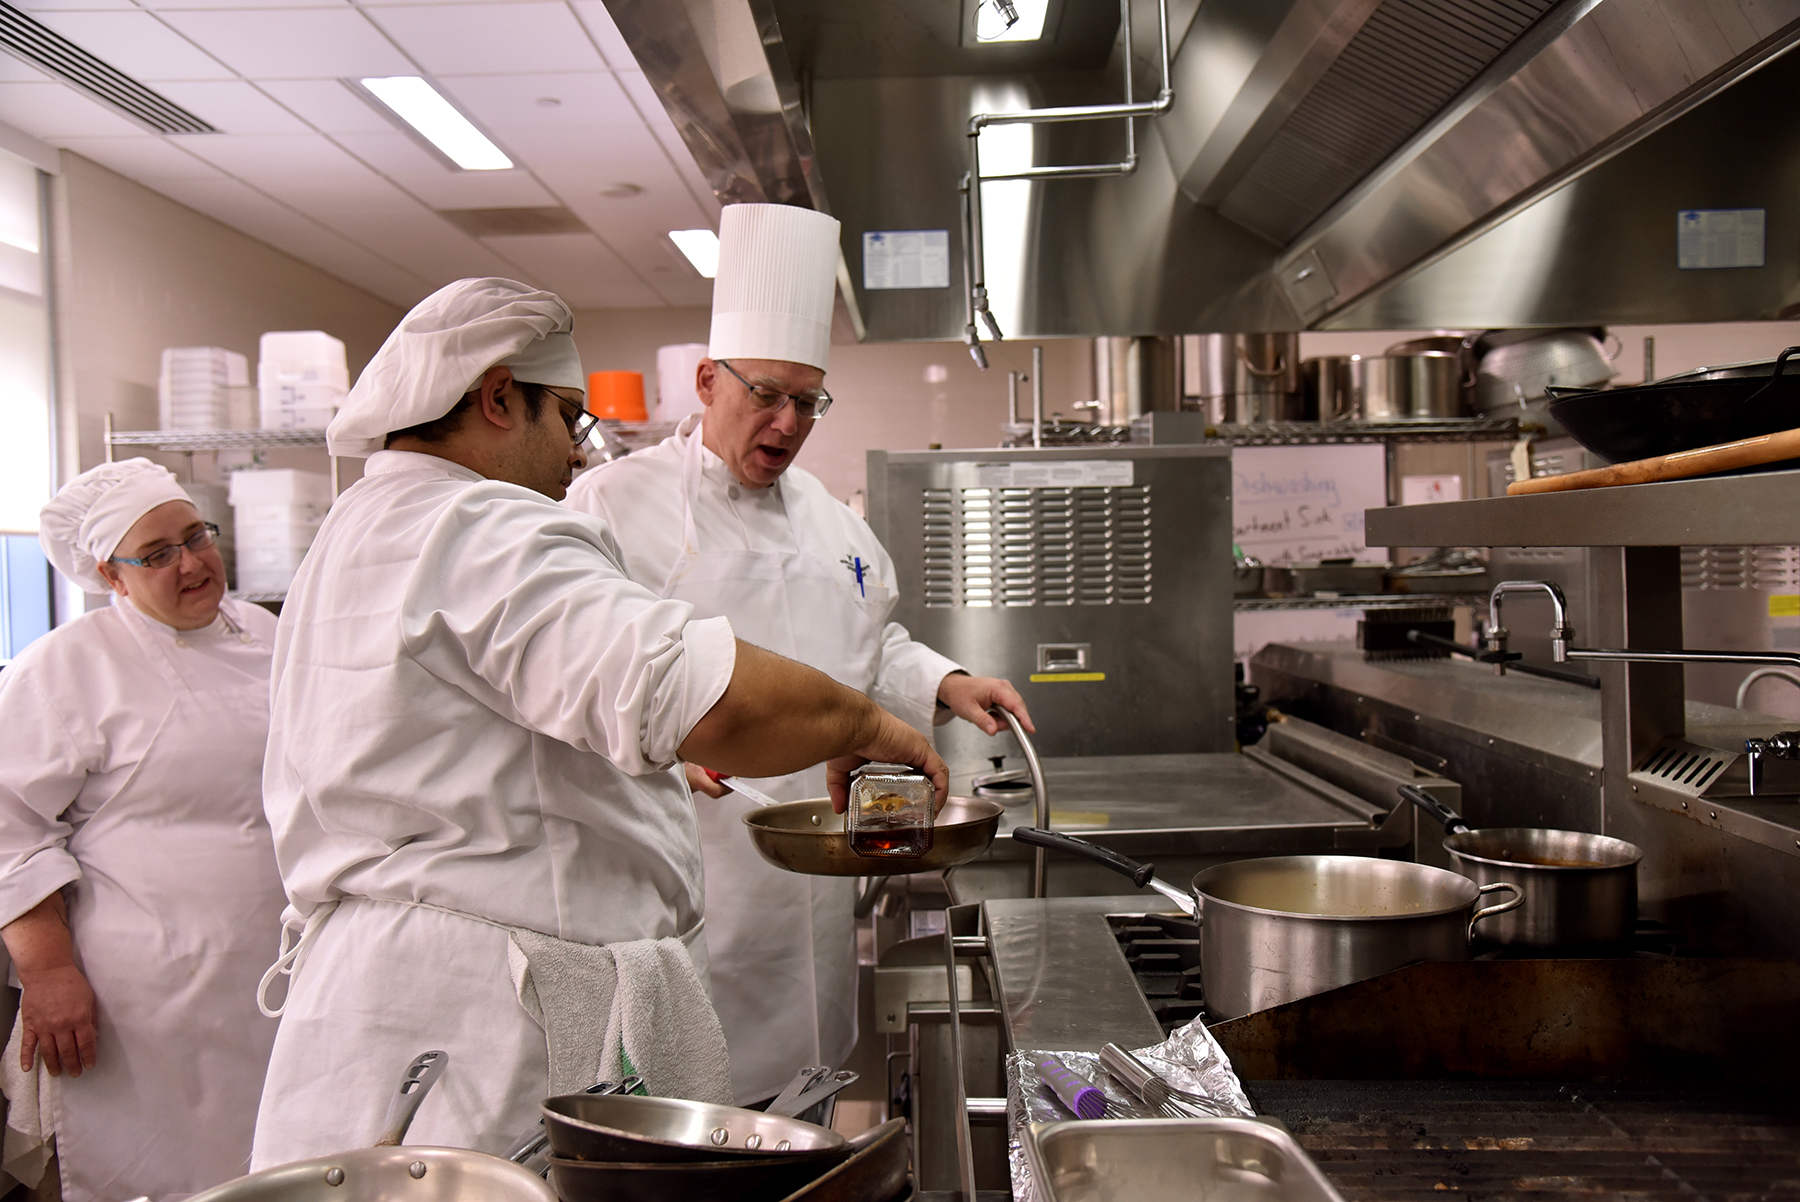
1010 20
435 119
701 248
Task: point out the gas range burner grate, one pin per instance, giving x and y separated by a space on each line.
1407 1141
1164 953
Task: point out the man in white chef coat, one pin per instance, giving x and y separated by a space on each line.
473 708
719 517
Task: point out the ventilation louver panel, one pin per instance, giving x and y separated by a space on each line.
1011 547
50 51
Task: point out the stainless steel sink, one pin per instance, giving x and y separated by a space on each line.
1173 1160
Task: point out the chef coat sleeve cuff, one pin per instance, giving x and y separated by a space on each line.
709 653
31 882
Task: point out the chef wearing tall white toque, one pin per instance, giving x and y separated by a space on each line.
138 885
473 711
718 516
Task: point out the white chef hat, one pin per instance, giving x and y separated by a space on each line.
777 277
89 517
439 351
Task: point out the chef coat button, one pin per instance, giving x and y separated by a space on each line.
732 492
181 643
245 639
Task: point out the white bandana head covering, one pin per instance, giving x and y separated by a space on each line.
89 517
777 279
439 351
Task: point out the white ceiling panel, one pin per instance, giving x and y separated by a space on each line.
400 159
53 111
247 210
491 39
327 105
300 163
605 154
17 70
137 44
417 240
657 119
315 43
147 159
185 4
233 107
46 6
508 102
605 33
578 268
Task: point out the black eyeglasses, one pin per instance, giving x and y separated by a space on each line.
581 423
162 557
806 404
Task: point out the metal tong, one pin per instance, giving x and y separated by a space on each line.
1155 1091
532 1150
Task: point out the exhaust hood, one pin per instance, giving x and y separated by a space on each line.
1325 163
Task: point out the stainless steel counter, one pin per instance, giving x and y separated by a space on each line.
1060 980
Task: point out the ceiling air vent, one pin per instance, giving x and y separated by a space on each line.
503 223
50 51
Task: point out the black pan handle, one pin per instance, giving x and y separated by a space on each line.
1033 836
1450 818
1780 362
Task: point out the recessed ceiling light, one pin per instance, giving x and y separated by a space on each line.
701 248
419 105
1010 20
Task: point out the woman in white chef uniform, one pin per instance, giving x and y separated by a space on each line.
137 877
717 516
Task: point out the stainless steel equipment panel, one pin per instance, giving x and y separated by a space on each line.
1098 580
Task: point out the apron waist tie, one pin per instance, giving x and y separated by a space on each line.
291 957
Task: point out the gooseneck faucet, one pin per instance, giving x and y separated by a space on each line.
1560 633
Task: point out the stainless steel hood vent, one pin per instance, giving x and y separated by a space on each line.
1409 60
1320 155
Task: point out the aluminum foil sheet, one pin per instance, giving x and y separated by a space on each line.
1190 1060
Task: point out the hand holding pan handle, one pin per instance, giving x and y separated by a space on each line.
1140 874
1452 821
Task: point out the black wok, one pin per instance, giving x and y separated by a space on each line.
1701 409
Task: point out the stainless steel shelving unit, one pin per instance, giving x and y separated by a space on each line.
1675 792
1366 601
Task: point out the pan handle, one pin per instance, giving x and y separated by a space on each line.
1452 821
1513 903
1140 874
420 1076
1780 362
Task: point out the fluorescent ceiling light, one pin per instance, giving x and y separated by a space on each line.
419 105
991 18
701 248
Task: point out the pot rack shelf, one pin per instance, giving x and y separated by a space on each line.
1364 601
1192 427
215 440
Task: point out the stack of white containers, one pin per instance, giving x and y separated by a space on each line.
301 376
190 390
277 512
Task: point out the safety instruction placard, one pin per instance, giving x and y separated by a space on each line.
906 259
1706 238
1061 473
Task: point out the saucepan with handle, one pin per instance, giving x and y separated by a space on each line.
388 1172
1286 927
1576 889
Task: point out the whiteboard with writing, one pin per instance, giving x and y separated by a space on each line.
1303 504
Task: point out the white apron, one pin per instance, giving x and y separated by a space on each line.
173 918
783 946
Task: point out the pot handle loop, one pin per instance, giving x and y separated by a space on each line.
1513 903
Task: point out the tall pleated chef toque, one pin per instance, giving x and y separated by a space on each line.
777 278
89 517
439 351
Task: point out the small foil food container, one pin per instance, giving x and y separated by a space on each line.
890 811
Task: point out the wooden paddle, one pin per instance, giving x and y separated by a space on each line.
1701 461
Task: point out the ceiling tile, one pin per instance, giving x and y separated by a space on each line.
245 209
399 158
328 106
484 39
578 268
17 70
148 159
235 4
52 111
137 44
42 6
657 118
308 43
415 238
605 33
606 154
234 107
508 102
279 160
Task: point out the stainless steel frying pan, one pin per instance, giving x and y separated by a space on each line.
806 837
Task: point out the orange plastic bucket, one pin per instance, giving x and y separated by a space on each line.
617 394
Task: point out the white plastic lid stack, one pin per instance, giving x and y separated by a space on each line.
280 486
302 377
278 512
675 368
191 386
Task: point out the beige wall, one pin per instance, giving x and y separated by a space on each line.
885 397
137 272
